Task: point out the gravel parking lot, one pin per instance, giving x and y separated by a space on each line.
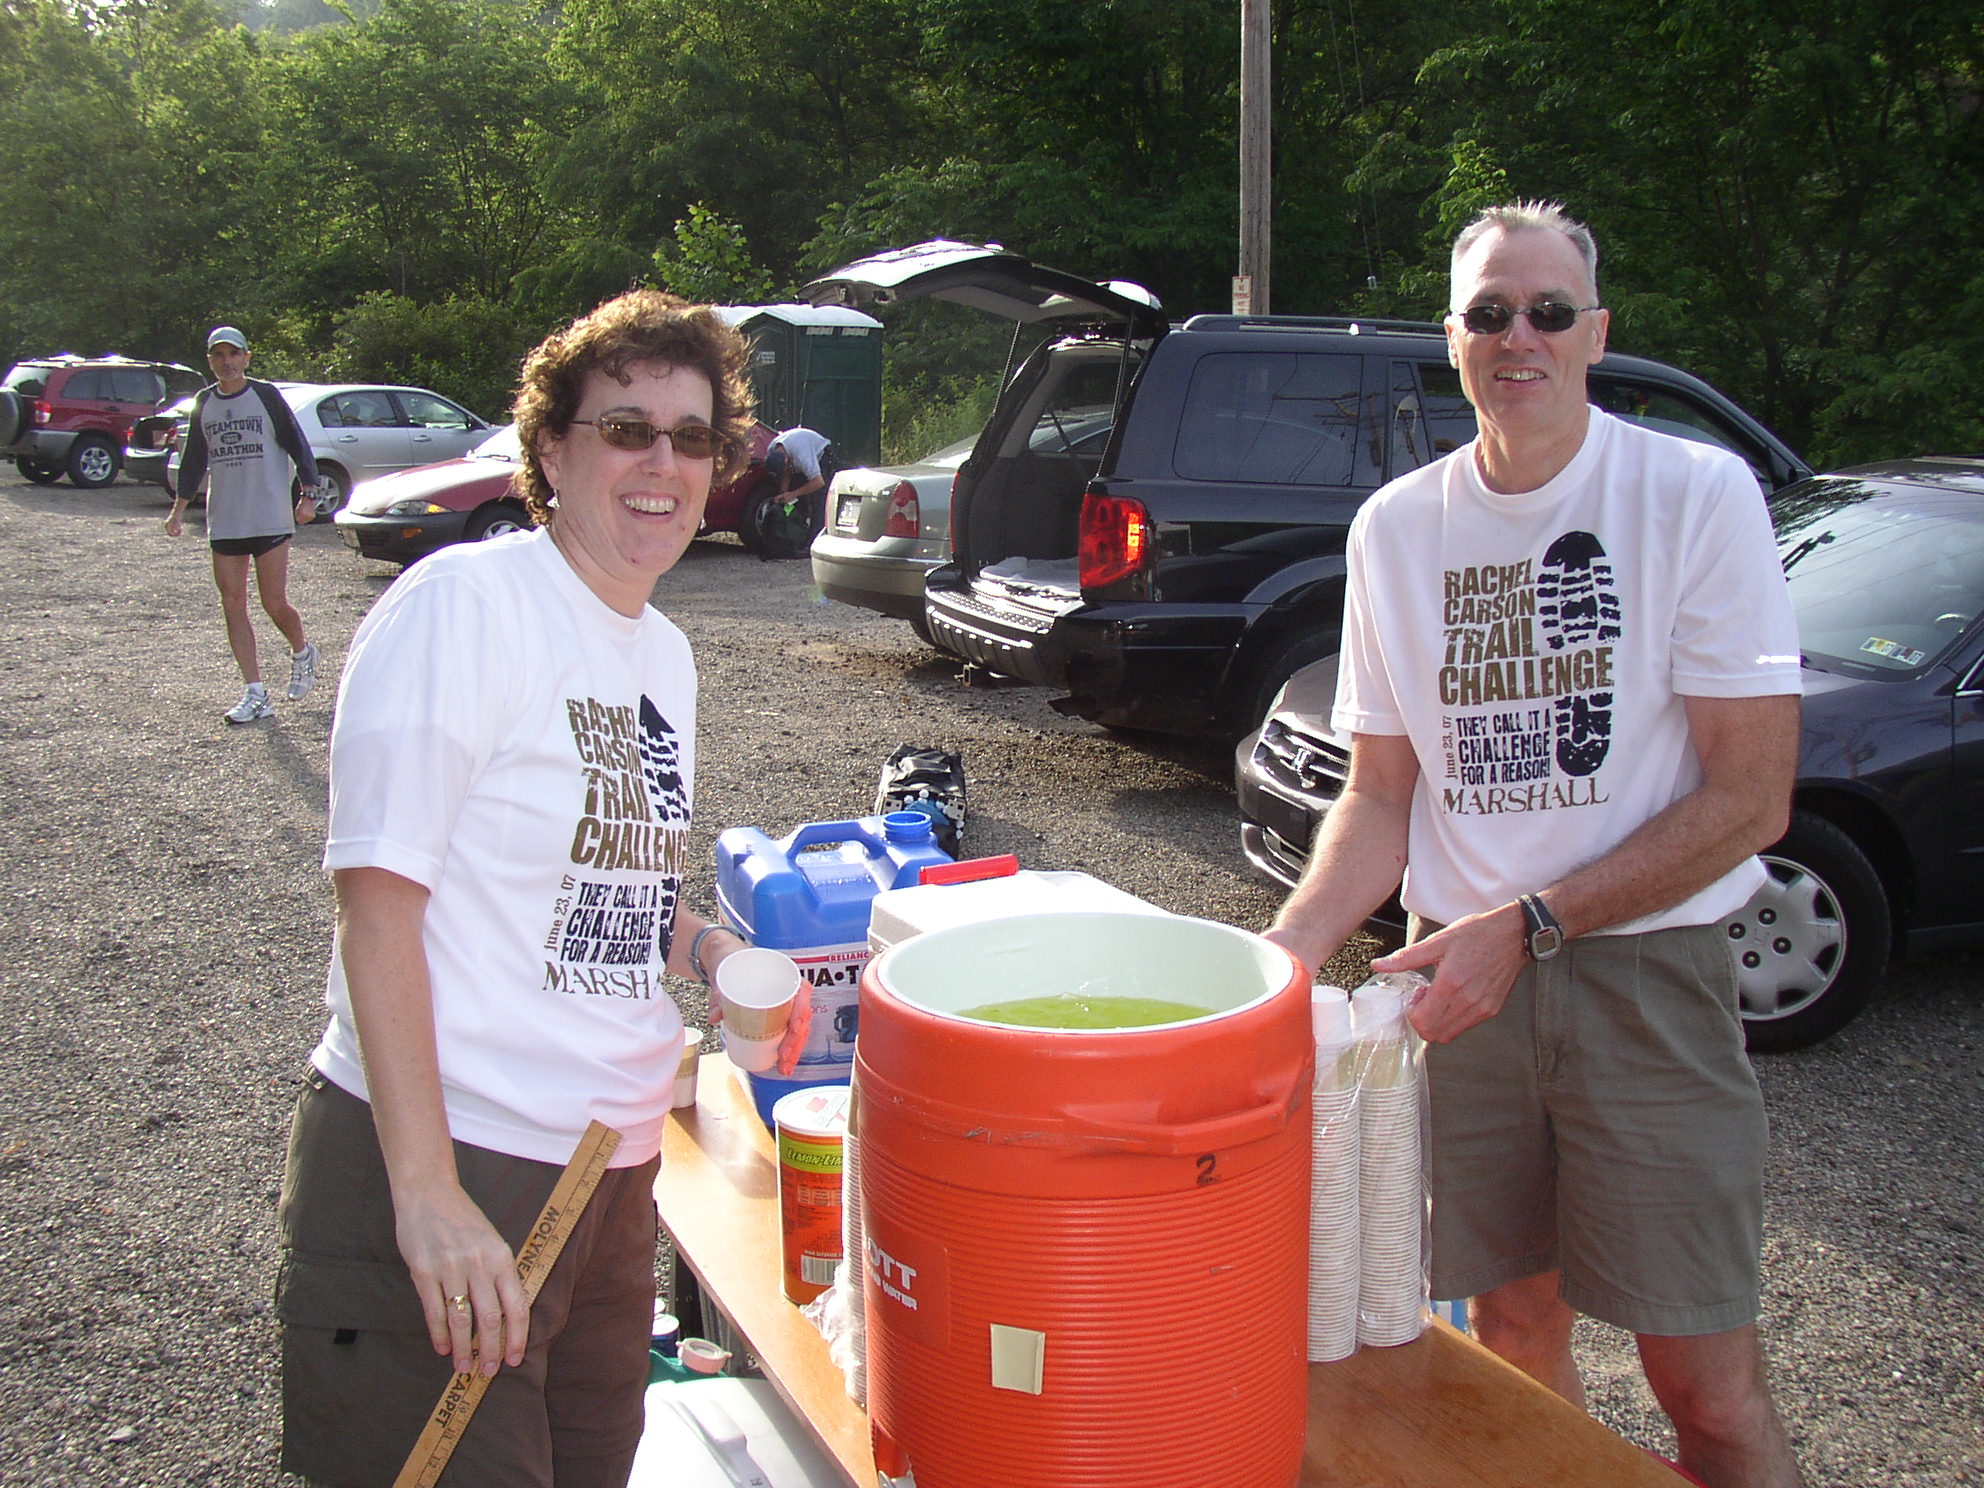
166 926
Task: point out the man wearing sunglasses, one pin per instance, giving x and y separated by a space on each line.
1570 675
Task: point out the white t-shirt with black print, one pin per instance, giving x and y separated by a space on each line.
1538 648
524 751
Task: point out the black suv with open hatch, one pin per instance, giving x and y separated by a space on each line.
1176 581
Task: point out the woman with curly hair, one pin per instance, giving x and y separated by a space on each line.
511 770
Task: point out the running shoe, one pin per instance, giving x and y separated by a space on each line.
254 704
303 671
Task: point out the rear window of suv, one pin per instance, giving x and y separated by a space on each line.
1435 418
1276 418
29 382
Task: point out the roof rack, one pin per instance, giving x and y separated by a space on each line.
1354 324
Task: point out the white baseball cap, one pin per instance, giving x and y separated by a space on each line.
226 336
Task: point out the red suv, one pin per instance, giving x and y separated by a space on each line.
71 415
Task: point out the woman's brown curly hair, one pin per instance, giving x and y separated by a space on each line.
643 325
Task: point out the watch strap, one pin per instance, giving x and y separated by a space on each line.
1544 937
696 952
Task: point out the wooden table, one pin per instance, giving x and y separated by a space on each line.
1441 1411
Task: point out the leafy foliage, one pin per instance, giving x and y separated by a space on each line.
1788 192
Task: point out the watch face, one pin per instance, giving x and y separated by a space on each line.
1545 943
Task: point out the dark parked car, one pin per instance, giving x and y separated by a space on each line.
71 415
1173 580
408 514
1886 845
151 453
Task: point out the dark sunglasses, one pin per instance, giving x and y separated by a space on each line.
691 441
1551 317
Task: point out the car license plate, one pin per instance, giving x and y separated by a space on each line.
847 516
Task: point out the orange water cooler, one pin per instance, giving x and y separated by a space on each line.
1087 1250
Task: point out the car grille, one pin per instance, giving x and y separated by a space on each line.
1301 760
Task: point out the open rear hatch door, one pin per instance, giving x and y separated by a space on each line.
987 277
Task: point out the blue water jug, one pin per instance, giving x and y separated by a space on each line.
809 894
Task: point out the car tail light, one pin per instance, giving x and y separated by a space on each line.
41 410
905 517
1115 540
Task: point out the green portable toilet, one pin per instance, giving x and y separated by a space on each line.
820 366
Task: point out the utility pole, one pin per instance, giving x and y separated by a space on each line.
1250 285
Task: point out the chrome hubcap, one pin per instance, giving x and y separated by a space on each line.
1790 941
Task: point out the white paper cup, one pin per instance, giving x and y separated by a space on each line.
757 986
753 1056
685 1072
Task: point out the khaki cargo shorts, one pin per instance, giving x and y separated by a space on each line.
1606 1124
359 1375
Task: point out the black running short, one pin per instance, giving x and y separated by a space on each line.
247 547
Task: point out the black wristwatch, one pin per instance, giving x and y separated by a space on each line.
1545 936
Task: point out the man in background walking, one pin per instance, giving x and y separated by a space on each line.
243 440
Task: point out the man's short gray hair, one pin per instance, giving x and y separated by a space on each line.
1520 216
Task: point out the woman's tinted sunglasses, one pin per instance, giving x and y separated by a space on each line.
1551 317
691 441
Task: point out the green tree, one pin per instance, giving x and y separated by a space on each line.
710 263
417 142
127 209
764 111
467 347
1789 193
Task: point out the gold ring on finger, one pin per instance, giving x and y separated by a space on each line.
458 1300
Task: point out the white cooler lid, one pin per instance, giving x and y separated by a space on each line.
693 1424
898 914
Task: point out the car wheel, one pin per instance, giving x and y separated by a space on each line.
340 480
38 471
775 528
494 520
746 502
92 462
13 416
1284 662
1812 943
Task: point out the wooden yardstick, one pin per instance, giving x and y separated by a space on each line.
547 1238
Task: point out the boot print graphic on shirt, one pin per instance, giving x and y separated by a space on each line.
1577 605
661 772
661 768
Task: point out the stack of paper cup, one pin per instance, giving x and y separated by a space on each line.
1334 1272
853 1279
1391 1197
685 1072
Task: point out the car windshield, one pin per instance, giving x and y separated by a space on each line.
1885 578
502 445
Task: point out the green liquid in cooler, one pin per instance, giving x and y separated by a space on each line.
1074 1011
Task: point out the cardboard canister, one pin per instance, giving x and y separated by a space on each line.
810 1125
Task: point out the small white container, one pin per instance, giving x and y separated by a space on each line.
899 914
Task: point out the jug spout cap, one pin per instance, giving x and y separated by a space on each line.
907 826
